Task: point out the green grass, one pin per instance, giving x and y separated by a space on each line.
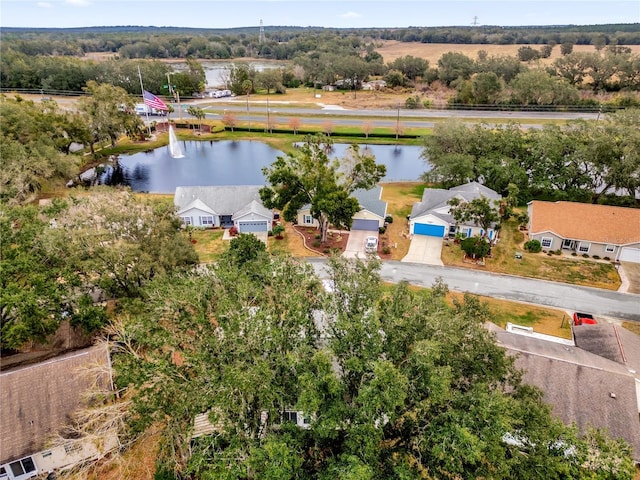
208 244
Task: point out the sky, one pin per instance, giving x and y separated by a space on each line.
320 13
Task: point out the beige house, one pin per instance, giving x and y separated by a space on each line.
37 401
584 228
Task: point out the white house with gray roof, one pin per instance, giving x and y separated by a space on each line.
223 206
370 217
431 216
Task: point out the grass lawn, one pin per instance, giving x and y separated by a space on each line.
208 244
632 327
543 320
566 269
400 198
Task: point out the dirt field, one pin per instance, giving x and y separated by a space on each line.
433 51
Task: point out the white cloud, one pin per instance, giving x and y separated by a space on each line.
78 3
350 15
44 5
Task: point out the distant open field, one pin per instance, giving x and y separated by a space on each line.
433 51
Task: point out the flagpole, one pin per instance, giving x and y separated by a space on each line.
146 111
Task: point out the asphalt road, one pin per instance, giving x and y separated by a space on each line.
607 303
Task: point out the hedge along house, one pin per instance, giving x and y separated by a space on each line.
586 229
371 216
38 401
223 206
431 216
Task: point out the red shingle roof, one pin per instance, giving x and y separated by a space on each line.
586 221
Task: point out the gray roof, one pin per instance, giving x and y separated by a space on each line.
371 200
436 198
254 207
578 384
38 400
223 200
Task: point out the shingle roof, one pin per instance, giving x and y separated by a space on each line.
224 200
436 198
38 400
585 221
253 207
578 384
371 200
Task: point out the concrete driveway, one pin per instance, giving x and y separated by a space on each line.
425 249
355 243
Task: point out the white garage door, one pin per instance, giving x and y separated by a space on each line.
248 227
629 254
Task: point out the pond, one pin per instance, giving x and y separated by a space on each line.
229 162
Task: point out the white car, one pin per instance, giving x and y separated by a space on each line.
371 244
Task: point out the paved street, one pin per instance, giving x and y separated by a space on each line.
607 303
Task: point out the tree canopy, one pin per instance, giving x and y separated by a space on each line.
388 382
309 177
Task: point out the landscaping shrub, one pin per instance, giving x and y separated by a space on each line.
533 246
574 254
558 252
382 230
388 219
317 243
585 255
386 249
596 257
317 237
607 258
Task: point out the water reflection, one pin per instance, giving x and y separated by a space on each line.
229 162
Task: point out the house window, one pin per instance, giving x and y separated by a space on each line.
208 220
289 416
307 219
610 248
22 466
546 242
186 221
3 473
584 247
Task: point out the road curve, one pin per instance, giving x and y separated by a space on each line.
625 306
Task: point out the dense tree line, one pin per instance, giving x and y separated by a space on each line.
580 161
391 383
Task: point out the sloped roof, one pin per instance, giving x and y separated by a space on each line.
368 199
586 221
224 200
253 207
199 204
38 400
437 198
371 200
578 384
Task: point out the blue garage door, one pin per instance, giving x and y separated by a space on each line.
429 230
248 227
360 224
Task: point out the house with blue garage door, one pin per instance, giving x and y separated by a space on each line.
373 211
431 216
223 206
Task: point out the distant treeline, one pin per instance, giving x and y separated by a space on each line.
284 43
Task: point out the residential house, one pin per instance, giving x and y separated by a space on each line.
223 206
582 386
370 217
585 228
37 402
431 216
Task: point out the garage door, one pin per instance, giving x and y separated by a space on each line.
629 254
428 229
248 227
360 224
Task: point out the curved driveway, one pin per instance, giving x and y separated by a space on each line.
541 292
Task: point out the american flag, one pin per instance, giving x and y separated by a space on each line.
154 102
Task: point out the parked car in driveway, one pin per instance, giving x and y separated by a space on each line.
371 244
583 319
